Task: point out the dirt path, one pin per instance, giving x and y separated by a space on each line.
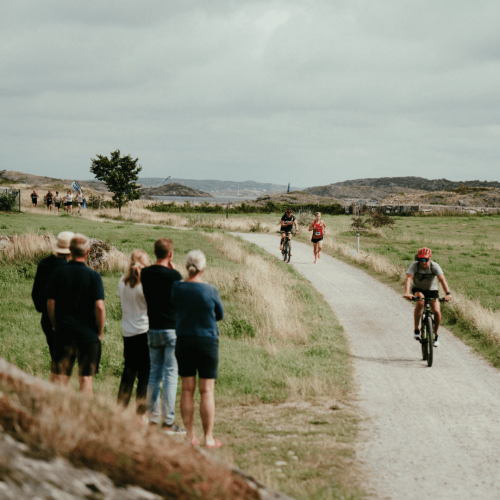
431 432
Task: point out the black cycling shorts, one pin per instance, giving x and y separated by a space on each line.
428 294
88 355
197 354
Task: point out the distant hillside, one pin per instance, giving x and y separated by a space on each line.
377 189
246 189
174 189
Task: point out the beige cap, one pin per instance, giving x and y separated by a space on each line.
61 244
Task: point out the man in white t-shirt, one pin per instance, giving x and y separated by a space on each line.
422 277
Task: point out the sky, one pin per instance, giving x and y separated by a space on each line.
310 92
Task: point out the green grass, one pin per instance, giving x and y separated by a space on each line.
255 383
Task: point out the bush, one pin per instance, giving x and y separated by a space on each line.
8 202
239 328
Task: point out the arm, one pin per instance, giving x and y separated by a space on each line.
296 226
51 310
219 309
447 290
408 295
311 226
100 315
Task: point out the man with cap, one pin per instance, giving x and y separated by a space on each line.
44 271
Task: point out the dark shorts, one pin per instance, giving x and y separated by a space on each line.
428 294
34 201
315 240
49 203
67 204
195 354
50 335
57 205
88 356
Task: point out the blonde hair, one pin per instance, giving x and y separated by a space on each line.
79 245
138 260
195 262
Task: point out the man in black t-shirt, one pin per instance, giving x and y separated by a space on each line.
75 303
157 281
287 222
39 293
48 198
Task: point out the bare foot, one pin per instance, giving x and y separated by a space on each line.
314 261
214 443
194 441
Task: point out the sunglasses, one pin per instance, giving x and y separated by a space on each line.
423 260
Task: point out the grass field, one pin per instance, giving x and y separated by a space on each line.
284 392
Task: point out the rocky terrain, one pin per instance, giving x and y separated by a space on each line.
294 197
174 189
40 181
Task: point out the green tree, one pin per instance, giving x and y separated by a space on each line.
119 173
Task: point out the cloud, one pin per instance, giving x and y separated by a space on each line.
313 92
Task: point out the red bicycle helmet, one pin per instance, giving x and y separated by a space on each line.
424 253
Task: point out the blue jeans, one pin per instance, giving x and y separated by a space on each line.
163 368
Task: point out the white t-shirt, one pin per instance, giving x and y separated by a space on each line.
134 309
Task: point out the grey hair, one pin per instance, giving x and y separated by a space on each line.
79 245
195 262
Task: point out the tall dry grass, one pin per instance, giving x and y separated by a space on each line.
262 288
88 431
466 311
33 247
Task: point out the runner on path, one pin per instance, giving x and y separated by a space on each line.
318 227
34 198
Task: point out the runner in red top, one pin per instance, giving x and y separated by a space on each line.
318 227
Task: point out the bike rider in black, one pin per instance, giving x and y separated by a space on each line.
287 222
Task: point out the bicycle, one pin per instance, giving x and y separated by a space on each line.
427 329
287 248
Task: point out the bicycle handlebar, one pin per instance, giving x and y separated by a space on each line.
416 299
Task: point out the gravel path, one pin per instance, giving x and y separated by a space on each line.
431 432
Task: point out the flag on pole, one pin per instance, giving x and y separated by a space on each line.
75 186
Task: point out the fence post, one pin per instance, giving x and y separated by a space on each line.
357 241
198 217
227 211
99 202
130 213
19 200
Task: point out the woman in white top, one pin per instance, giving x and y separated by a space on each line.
79 200
68 202
135 325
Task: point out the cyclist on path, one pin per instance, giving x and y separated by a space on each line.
318 227
287 222
421 278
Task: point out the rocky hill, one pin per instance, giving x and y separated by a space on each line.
174 189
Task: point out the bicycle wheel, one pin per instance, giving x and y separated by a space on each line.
285 250
289 250
430 339
423 341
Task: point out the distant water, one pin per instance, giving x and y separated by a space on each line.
196 199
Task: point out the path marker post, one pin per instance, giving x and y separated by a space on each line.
357 241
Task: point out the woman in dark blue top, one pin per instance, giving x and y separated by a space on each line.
198 308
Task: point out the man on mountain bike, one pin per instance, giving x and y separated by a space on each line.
287 222
421 277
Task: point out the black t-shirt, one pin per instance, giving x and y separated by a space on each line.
76 288
34 197
286 219
157 284
43 274
48 197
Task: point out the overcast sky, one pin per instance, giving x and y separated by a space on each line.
307 92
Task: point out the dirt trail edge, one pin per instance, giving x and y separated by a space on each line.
430 432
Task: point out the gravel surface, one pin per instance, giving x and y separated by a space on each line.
430 432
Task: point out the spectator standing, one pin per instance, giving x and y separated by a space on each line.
34 198
157 281
79 200
57 201
135 326
199 307
49 198
39 292
75 303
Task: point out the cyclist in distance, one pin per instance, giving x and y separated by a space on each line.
287 222
422 277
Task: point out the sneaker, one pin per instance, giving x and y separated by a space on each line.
172 429
416 335
436 341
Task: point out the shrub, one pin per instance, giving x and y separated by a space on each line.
239 328
8 202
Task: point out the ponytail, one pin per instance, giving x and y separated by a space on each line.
138 260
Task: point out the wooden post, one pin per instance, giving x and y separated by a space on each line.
99 202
